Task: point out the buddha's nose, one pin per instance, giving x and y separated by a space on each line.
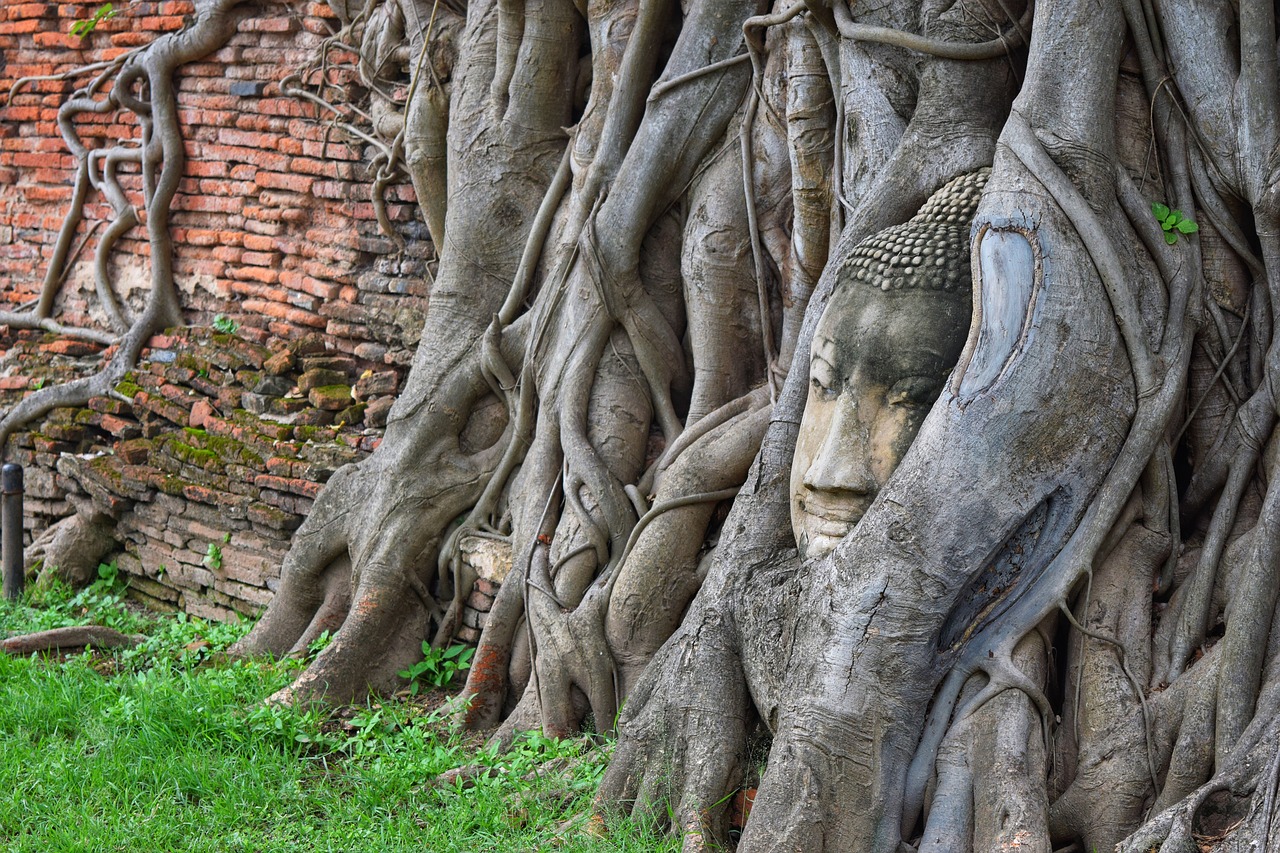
843 462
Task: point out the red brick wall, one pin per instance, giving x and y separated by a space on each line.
273 225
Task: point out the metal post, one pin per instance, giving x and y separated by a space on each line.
11 529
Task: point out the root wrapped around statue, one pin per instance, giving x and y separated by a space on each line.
874 406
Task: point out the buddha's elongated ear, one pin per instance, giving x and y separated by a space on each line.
1007 271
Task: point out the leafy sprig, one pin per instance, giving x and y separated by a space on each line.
225 325
1173 222
438 666
81 29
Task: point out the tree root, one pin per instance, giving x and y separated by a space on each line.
62 639
71 549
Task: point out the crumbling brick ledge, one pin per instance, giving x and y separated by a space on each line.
206 458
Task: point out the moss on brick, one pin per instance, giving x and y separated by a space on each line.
105 468
331 397
233 451
193 363
200 458
273 517
169 484
351 415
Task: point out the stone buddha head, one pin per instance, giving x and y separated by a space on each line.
894 327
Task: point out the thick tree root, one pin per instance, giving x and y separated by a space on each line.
70 550
389 526
62 639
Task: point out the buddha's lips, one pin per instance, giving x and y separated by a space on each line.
834 512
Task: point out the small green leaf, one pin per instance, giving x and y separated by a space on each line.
1171 238
1160 211
1188 226
80 29
225 325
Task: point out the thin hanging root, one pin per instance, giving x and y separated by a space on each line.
1233 381
1194 602
755 49
663 86
287 88
78 71
1139 691
542 222
666 506
1221 367
994 49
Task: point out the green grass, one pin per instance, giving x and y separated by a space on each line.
166 747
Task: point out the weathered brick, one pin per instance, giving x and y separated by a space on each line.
273 518
285 181
479 601
201 607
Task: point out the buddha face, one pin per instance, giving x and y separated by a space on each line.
878 362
